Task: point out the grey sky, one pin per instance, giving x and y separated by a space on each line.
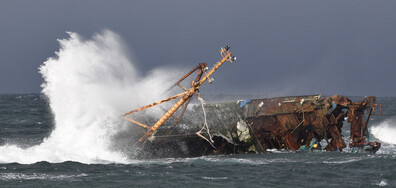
283 47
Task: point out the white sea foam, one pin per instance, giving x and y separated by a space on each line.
89 84
214 178
382 183
34 176
385 131
345 160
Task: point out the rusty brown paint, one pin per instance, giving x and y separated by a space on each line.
291 122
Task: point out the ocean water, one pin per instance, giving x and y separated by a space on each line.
27 125
72 135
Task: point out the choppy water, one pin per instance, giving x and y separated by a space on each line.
26 120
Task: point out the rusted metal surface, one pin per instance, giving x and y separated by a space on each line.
292 122
300 123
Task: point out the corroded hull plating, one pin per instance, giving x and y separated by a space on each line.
297 123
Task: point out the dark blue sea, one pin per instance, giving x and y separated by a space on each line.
34 152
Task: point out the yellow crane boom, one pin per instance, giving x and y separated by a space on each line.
185 96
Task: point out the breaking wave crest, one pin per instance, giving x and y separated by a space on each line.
88 85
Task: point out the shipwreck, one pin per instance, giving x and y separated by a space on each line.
297 123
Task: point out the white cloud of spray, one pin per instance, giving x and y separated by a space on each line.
88 85
385 131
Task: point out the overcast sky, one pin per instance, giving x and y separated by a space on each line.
283 47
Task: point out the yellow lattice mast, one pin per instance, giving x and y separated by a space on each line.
185 96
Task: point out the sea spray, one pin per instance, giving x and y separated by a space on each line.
385 131
89 84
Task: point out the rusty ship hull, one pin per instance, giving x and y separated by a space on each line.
296 123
